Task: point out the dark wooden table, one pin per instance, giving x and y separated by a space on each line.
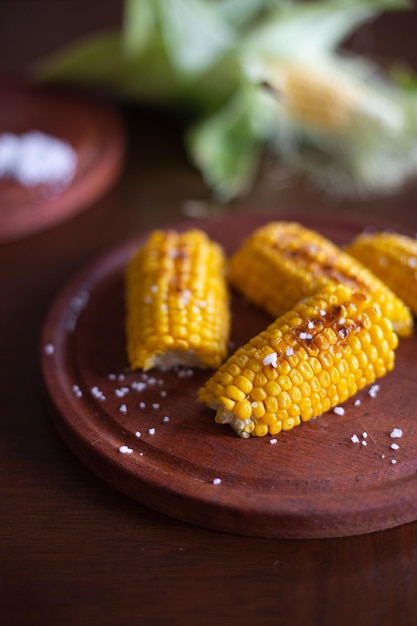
72 550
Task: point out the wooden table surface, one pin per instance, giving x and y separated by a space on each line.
75 551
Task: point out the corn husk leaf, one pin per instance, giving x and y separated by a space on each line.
226 65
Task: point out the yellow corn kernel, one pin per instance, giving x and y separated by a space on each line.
393 258
313 384
322 100
282 262
177 309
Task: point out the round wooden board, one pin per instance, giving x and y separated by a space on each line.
313 482
94 130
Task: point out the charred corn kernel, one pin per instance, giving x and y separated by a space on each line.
320 375
393 258
177 302
282 262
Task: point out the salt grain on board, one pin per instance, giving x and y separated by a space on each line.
396 433
125 450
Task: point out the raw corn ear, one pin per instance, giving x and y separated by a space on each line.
177 302
393 258
282 262
309 360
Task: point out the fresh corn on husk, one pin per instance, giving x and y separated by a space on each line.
309 360
177 302
393 258
282 262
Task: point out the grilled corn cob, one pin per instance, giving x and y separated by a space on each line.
282 262
309 360
391 257
177 302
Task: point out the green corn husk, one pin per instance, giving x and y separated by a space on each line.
227 65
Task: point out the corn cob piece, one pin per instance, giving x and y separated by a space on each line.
309 360
282 262
393 258
177 302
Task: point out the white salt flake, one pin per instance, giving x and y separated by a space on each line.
217 481
305 336
152 431
138 385
339 410
273 441
364 443
271 359
111 376
357 402
138 434
49 348
364 435
125 450
121 392
396 433
395 446
77 391
123 408
289 352
142 405
166 419
373 391
393 461
97 393
163 394
156 405
354 439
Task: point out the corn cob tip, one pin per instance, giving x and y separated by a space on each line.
308 361
393 258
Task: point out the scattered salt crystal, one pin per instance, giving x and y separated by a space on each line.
142 405
254 404
121 392
395 446
111 376
396 433
166 419
156 405
357 402
373 391
138 385
77 391
322 312
393 461
342 320
271 359
217 481
154 288
272 441
305 336
364 435
125 450
121 377
354 439
49 348
339 410
152 431
123 408
152 380
289 352
364 443
97 393
310 325
163 394
138 434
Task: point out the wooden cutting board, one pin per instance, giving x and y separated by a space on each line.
313 482
92 128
